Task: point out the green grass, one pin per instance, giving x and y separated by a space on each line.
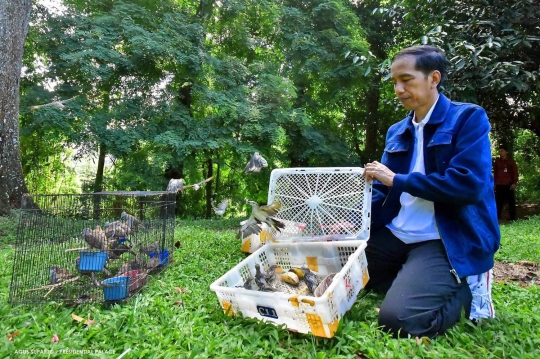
520 241
152 326
8 228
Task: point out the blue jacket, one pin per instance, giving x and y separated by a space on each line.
458 179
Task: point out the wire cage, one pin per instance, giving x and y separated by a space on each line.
98 247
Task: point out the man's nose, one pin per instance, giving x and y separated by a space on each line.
398 87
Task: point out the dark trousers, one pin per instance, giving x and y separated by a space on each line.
504 194
423 298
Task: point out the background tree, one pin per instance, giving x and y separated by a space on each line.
14 17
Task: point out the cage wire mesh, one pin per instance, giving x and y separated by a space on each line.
321 203
91 247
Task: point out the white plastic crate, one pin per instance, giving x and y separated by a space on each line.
321 204
302 313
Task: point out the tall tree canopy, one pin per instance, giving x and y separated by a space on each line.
190 89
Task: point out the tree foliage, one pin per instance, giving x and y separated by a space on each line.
190 89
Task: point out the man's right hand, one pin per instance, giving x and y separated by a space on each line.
377 171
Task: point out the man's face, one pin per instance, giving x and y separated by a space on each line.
502 152
413 89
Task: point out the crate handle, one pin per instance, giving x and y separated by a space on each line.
308 301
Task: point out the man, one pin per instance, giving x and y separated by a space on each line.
506 178
434 221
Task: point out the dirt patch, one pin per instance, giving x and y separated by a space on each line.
523 273
523 211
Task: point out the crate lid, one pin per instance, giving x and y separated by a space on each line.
321 203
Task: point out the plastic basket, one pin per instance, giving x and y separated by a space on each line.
92 261
163 256
302 313
115 288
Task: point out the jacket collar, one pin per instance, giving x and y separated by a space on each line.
437 116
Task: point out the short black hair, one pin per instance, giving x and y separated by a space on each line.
428 59
503 147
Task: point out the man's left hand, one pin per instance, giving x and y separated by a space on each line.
513 187
377 171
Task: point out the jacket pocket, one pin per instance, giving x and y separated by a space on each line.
396 147
395 156
440 151
440 138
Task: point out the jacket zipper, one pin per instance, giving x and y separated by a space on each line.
387 195
452 270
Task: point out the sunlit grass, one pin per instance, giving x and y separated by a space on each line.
154 325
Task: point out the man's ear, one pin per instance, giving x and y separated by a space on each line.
435 78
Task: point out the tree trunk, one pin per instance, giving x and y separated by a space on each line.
218 175
14 17
208 188
98 185
177 172
372 121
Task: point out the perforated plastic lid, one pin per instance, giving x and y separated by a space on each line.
321 203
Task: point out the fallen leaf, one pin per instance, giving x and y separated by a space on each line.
425 340
76 317
55 338
179 303
177 244
10 336
89 322
180 290
80 319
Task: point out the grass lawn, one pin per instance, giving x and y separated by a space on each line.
151 325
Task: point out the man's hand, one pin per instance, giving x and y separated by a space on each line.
513 187
378 171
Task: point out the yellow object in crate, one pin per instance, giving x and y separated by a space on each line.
302 313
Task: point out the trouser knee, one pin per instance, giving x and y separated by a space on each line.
389 320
